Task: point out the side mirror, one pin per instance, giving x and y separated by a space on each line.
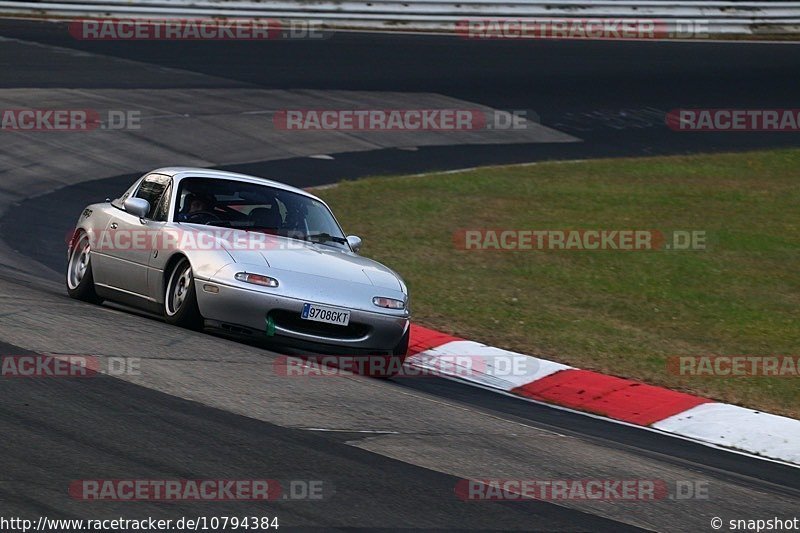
354 242
138 207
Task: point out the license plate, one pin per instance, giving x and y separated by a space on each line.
329 315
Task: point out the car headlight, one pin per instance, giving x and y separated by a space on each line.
389 303
257 279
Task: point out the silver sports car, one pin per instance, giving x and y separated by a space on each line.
244 254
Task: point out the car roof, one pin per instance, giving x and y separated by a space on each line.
180 173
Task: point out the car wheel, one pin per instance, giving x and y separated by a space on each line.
80 281
180 299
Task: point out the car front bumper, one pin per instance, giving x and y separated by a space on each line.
237 307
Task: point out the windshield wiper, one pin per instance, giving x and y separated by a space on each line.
324 237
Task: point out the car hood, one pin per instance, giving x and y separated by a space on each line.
305 258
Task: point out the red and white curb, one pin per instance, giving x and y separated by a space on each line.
633 402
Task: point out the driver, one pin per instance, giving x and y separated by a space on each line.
197 203
200 203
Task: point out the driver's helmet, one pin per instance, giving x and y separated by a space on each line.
198 202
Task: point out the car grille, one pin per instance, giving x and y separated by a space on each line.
291 321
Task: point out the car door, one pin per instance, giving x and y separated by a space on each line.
130 240
163 248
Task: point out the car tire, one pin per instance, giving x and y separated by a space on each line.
180 297
80 280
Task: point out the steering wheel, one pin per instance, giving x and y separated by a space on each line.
202 217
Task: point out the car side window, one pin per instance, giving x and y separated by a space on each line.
152 189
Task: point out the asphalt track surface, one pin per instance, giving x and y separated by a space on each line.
388 453
605 92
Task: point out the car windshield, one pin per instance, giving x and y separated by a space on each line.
254 207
